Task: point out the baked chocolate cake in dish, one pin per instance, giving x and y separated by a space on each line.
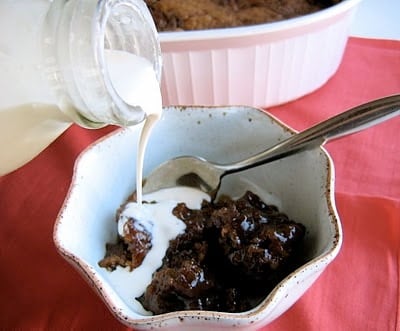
176 15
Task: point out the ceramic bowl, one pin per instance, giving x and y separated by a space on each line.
301 185
260 65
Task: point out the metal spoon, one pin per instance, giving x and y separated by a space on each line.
206 176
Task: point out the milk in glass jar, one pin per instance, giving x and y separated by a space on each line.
90 62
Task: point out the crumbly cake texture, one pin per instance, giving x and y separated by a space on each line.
231 255
180 15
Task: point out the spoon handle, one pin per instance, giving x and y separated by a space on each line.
346 123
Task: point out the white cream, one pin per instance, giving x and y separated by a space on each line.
158 219
135 80
26 130
151 121
29 127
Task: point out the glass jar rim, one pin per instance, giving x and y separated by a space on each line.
76 36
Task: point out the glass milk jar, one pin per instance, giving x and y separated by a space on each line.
90 62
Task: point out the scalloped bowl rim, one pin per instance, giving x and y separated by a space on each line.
250 316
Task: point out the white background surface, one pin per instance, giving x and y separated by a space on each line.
377 19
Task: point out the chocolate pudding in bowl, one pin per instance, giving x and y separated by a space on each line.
300 186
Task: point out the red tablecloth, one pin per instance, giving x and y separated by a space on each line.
360 290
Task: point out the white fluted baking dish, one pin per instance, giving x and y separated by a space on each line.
260 65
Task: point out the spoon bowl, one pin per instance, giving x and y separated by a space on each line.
204 175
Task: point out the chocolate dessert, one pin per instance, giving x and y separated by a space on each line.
175 15
230 256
